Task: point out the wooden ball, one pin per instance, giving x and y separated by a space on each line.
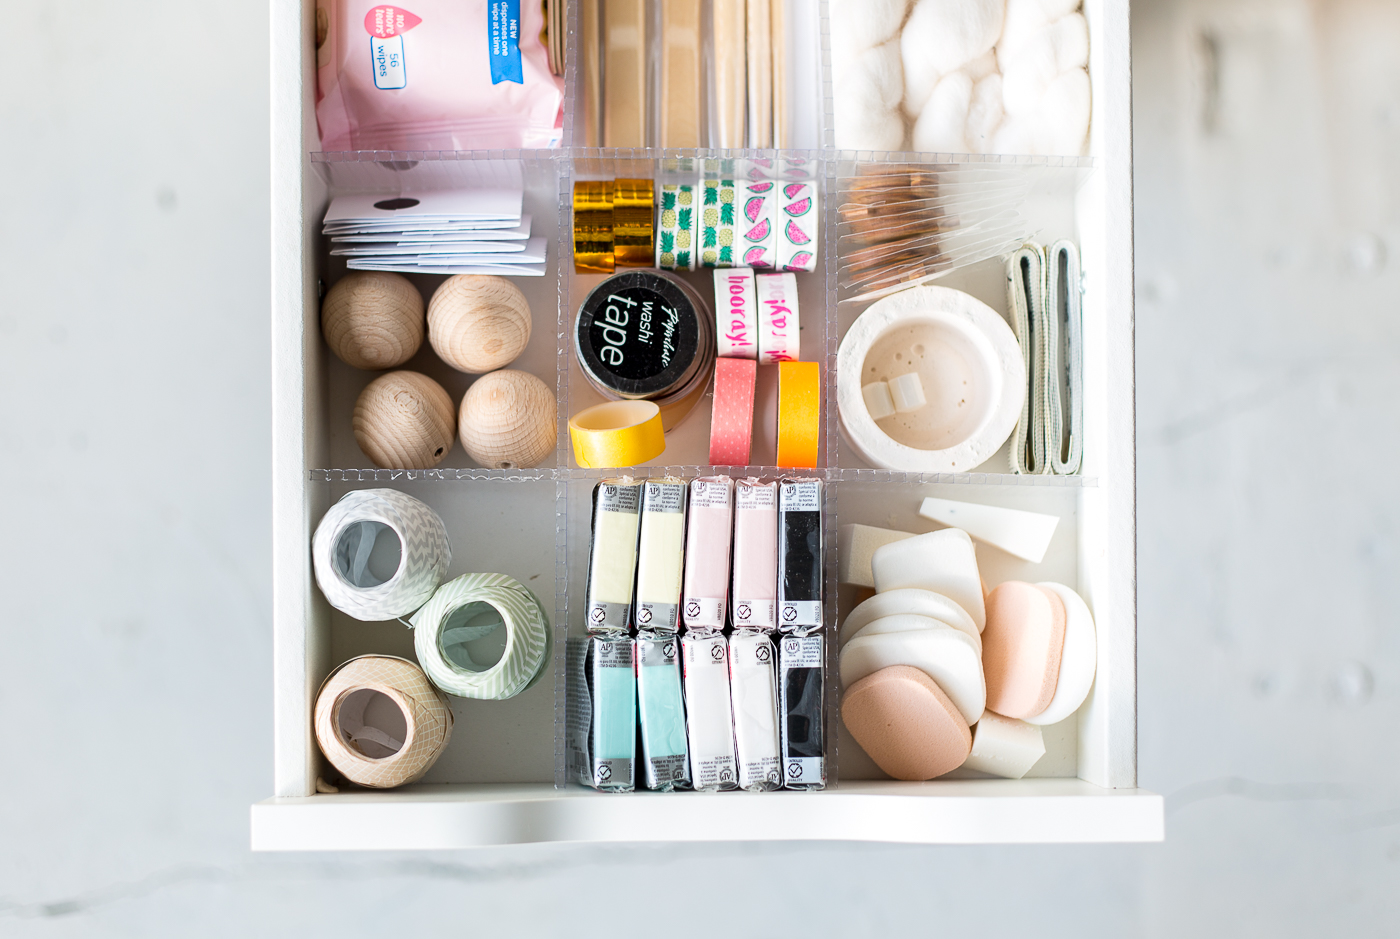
478 323
373 319
403 420
508 420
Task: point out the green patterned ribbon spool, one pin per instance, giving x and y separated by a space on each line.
472 608
717 212
675 230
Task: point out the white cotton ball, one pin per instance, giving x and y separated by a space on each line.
942 126
1028 72
865 23
942 35
982 66
875 80
1054 9
984 114
1070 35
844 52
1023 17
867 129
1064 115
1012 137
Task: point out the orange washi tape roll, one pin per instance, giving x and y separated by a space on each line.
593 226
799 413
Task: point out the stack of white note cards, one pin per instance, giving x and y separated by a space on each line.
464 231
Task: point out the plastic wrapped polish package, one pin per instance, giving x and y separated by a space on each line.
939 674
685 651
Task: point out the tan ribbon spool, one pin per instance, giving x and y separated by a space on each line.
427 718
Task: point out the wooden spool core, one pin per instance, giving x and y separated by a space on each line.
403 420
478 323
373 319
508 420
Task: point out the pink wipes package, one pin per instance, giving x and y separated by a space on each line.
445 75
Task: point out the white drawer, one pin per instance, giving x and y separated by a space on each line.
500 779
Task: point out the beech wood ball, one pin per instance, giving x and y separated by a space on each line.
403 420
478 323
373 319
508 420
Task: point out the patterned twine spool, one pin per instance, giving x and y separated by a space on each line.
675 245
593 226
717 223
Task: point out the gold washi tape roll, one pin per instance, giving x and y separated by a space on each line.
633 237
617 433
593 226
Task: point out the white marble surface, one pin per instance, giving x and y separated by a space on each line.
134 596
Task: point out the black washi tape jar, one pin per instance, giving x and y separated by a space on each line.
643 334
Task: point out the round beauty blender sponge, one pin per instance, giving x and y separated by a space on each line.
905 722
1077 660
403 420
478 322
1021 648
373 319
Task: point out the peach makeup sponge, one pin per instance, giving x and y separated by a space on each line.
909 600
945 654
1021 648
910 728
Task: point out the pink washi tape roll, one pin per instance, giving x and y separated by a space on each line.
796 223
779 337
758 203
736 313
731 421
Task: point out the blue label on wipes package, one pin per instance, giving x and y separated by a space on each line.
503 31
386 57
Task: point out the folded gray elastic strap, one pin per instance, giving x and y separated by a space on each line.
1025 297
1065 455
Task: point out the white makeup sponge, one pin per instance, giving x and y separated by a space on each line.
941 561
909 622
908 601
941 36
1004 746
945 654
1077 659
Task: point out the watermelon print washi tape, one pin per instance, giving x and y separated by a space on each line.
677 214
758 223
796 223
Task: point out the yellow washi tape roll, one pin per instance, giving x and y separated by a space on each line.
617 433
799 413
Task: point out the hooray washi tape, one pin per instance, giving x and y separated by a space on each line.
779 320
348 552
736 313
477 610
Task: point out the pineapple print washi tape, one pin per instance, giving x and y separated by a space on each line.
796 224
717 215
676 230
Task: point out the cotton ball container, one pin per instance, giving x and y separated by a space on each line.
373 319
941 36
478 323
508 420
866 104
941 127
403 420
